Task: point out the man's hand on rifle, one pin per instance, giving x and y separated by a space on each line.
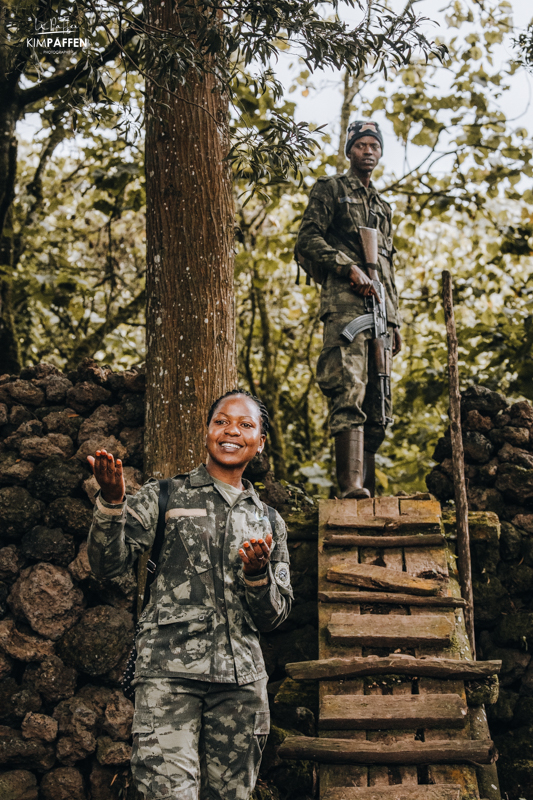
109 476
396 341
360 283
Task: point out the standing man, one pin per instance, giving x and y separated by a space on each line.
329 238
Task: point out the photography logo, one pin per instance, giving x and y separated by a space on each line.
56 36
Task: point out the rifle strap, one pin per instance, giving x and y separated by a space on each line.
151 566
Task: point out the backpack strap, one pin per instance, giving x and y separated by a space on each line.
151 566
271 513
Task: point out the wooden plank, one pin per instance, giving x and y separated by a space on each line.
370 576
386 507
465 775
350 774
349 521
398 712
348 751
331 668
419 508
357 540
394 598
442 792
389 631
365 507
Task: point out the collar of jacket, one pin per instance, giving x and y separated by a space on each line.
355 183
201 477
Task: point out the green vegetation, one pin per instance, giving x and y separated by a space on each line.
78 223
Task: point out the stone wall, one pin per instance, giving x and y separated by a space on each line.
64 636
498 443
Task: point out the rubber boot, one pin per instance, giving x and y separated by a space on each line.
369 473
349 450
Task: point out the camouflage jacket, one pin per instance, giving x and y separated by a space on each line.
204 615
342 203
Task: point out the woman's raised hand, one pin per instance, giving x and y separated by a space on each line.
255 554
109 476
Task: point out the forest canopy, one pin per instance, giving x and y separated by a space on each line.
464 203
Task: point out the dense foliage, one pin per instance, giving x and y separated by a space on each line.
466 207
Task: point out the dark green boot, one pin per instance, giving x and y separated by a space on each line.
349 457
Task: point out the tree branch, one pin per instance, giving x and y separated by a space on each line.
89 345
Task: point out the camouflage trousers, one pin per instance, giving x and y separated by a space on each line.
194 740
349 379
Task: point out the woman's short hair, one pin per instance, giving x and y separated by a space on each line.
265 421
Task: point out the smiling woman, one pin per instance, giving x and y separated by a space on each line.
201 707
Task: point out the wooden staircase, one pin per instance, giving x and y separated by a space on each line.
393 656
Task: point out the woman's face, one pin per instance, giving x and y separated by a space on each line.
234 433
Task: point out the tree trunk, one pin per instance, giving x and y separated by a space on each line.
190 317
9 347
351 85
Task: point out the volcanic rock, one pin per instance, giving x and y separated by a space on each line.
56 388
521 414
85 396
26 393
70 514
23 646
118 716
63 783
109 443
10 562
133 441
131 410
97 643
29 753
67 422
39 726
52 679
477 448
515 482
54 478
19 784
45 596
13 470
476 422
483 400
110 753
48 544
77 724
19 512
16 701
102 422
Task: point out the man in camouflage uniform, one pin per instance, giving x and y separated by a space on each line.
201 706
328 236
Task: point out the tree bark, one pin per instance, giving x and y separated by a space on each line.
458 465
190 316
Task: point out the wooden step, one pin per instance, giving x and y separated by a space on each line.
359 540
391 712
393 630
380 578
406 522
409 792
407 751
369 597
332 668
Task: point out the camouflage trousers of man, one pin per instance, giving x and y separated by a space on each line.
194 740
348 377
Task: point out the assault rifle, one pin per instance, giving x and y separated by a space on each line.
376 319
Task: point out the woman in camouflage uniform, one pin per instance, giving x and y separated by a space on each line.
201 707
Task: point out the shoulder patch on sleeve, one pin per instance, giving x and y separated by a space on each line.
282 575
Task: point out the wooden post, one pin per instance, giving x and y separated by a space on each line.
461 503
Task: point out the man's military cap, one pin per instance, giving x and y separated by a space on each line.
359 128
